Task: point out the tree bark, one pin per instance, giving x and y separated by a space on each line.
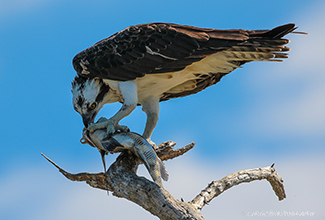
122 181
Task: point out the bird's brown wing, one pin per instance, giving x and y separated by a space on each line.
164 47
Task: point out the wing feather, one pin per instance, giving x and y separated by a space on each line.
164 47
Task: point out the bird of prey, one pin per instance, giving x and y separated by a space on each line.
148 63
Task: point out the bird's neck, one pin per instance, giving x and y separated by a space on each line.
112 96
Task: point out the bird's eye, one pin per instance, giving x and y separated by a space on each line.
93 106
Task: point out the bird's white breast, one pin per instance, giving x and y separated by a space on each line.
154 85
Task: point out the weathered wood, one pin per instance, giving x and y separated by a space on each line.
215 188
122 181
165 150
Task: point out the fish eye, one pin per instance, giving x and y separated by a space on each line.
93 106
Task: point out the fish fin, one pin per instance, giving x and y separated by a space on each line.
143 159
102 154
159 183
153 169
163 170
110 144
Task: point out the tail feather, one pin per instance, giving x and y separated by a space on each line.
254 56
262 46
237 47
280 31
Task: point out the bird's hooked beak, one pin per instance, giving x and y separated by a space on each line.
88 119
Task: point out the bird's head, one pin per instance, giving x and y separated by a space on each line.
88 97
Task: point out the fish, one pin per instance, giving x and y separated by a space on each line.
138 145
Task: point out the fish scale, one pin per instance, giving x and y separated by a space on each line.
133 142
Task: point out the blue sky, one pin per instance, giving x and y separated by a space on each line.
257 115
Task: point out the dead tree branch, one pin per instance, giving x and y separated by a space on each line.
121 179
165 150
215 188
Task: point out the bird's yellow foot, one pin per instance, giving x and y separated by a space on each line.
109 124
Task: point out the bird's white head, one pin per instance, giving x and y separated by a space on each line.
88 97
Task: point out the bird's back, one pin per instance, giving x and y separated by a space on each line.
182 60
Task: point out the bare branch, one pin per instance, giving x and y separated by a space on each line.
96 180
126 184
165 150
215 188
121 179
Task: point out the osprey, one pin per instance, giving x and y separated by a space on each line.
149 63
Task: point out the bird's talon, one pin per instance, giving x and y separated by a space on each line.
123 128
102 119
101 124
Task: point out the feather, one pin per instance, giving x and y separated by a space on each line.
173 47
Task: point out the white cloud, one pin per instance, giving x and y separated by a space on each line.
291 95
72 200
15 7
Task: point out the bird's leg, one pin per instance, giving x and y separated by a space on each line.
128 90
151 107
112 123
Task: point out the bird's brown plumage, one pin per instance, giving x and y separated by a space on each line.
158 48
